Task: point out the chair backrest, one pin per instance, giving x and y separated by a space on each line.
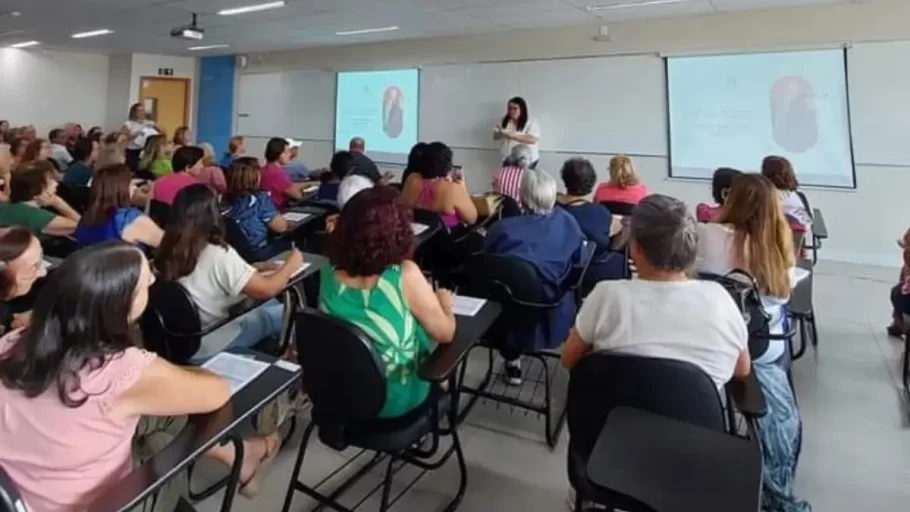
159 212
171 325
10 500
505 279
509 207
76 196
602 381
345 379
618 208
805 201
237 239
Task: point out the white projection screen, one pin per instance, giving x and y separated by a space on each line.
733 110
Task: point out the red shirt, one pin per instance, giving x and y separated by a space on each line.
167 187
275 181
629 195
507 181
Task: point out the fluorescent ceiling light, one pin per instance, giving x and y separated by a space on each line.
365 31
251 8
93 33
626 5
209 47
25 44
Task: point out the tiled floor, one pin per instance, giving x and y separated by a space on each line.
856 452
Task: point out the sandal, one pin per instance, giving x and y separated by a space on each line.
895 331
251 487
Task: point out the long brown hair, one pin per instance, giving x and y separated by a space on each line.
780 172
763 241
14 240
194 223
32 151
242 177
110 191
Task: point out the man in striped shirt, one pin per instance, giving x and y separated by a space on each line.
507 181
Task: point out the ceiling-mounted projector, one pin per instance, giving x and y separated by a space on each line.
191 31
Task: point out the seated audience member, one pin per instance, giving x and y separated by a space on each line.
95 133
182 137
594 220
39 150
17 147
194 253
720 187
372 283
779 172
900 293
22 262
351 186
549 239
357 146
187 162
364 166
435 188
156 156
33 188
236 149
211 174
297 170
339 167
29 133
70 410
252 209
507 181
415 159
79 171
624 185
110 214
59 151
6 168
274 179
663 313
751 234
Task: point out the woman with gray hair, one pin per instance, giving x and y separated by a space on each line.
549 239
507 181
663 313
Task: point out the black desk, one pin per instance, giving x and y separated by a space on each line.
673 466
202 433
468 332
428 232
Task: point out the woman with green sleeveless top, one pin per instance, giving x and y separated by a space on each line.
372 283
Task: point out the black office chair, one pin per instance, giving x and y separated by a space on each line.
516 285
59 246
905 362
170 324
508 207
10 500
159 212
346 383
77 196
801 307
602 381
618 208
817 237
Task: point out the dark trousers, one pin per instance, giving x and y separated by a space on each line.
900 303
132 159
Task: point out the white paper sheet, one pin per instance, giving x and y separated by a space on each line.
467 306
46 264
287 365
237 370
418 228
296 216
299 270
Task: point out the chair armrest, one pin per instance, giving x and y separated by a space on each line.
819 228
747 396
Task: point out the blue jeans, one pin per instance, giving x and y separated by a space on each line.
255 326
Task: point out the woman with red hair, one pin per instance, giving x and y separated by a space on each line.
372 283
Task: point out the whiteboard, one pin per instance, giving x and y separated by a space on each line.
586 105
879 76
295 103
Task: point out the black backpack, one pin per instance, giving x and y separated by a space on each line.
745 292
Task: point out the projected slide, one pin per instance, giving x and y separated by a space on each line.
381 107
733 110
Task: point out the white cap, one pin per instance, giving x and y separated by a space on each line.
293 144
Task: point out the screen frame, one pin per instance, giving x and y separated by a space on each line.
854 183
335 147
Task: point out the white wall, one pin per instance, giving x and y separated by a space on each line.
49 89
145 64
118 90
879 194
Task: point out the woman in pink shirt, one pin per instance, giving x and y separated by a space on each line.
624 186
211 174
75 384
187 162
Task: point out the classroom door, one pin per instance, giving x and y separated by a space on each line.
165 101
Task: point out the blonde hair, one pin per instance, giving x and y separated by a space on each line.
763 243
110 154
208 154
154 147
622 172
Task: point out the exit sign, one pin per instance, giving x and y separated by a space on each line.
165 71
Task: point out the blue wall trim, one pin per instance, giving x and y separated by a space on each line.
215 112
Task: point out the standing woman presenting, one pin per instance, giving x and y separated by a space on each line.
517 128
136 129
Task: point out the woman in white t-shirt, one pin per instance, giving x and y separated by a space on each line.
137 129
752 234
518 128
194 253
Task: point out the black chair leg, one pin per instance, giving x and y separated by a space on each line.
295 474
462 473
387 484
814 329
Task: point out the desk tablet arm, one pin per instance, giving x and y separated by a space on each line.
746 394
